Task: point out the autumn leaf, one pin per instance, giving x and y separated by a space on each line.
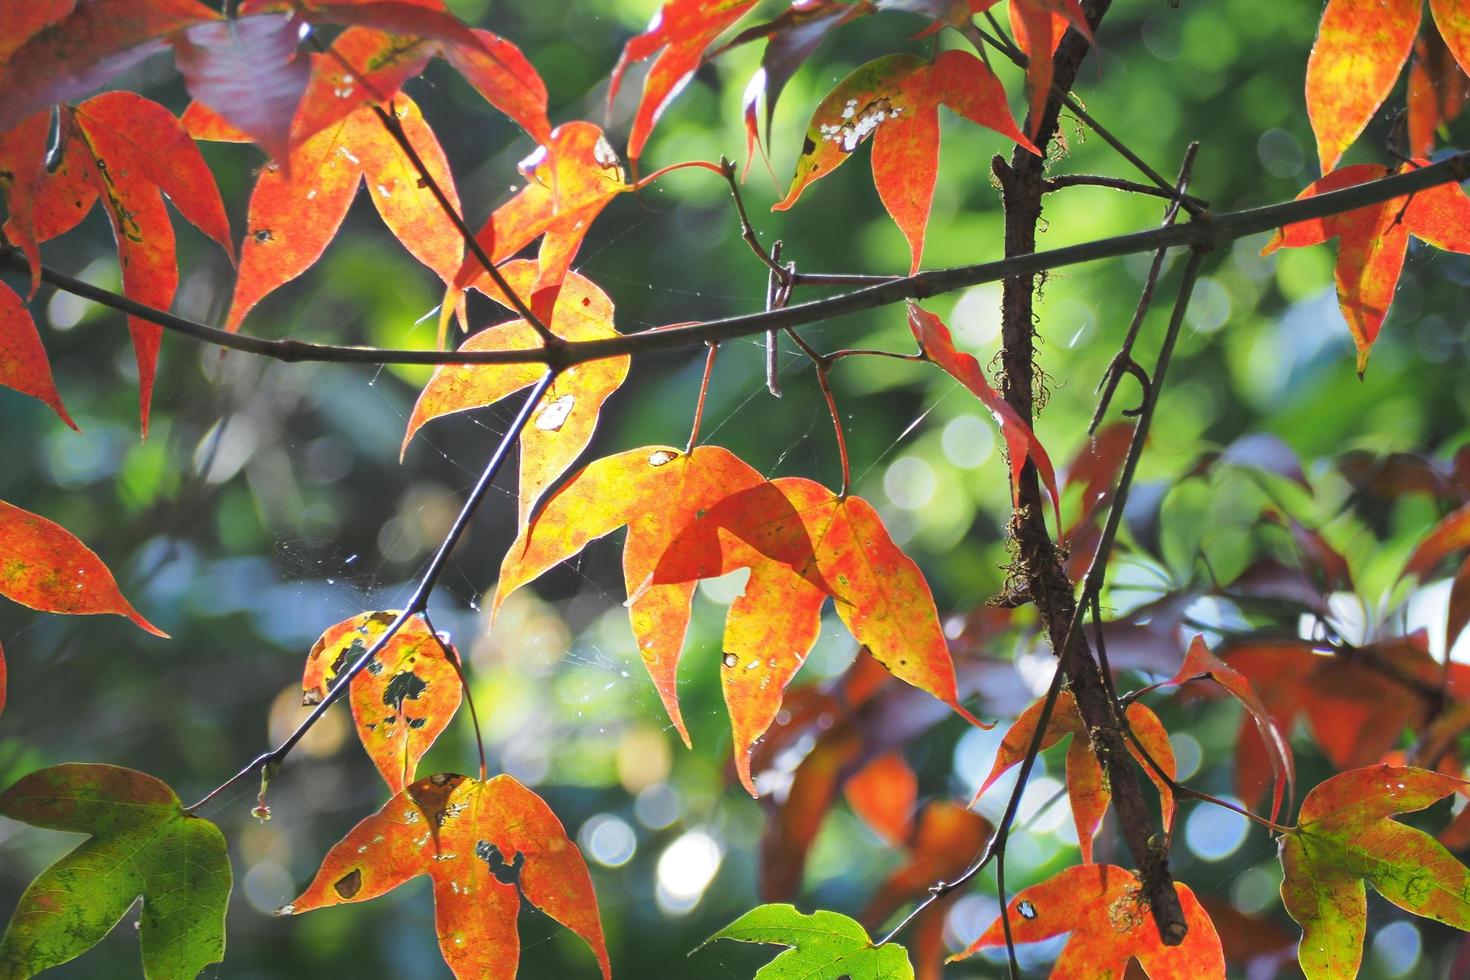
44 567
402 701
679 33
896 100
821 946
24 365
563 424
655 491
82 51
465 835
22 172
883 794
1373 241
1104 909
569 180
292 219
1087 786
1344 838
937 345
2 679
141 843
1039 26
18 21
1450 535
1200 663
1437 89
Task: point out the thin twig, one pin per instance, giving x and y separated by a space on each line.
709 369
747 232
452 655
268 763
1116 183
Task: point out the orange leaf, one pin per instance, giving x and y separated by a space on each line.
1021 442
23 362
563 425
679 33
22 171
18 21
947 839
292 219
1453 21
1450 535
96 41
883 793
839 545
896 100
1039 26
402 701
656 491
1437 84
44 567
461 832
1361 46
1104 909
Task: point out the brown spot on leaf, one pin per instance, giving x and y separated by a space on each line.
349 884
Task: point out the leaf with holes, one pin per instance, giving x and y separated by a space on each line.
93 43
1087 787
141 843
44 567
1344 838
484 845
821 946
896 100
129 152
840 547
563 424
656 492
1373 240
1104 909
402 701
292 219
24 365
679 33
1021 443
569 181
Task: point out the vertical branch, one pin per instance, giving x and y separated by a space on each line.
776 291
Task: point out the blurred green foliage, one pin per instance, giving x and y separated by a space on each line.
269 503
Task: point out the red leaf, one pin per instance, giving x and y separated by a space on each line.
22 173
402 701
249 71
23 362
883 794
44 567
82 51
18 21
457 831
896 100
1021 442
1361 46
1103 908
291 220
1453 21
679 33
563 425
1450 535
2 679
1437 84
948 838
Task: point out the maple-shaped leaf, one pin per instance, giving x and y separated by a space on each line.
840 547
1437 89
367 65
24 365
883 794
896 100
937 345
45 567
292 219
791 38
821 946
1200 663
655 491
402 701
96 41
569 180
1087 786
129 152
679 33
250 72
1373 241
1360 49
141 843
1356 712
466 835
1344 838
1104 909
563 424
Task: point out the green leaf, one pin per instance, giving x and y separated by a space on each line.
142 843
1345 838
824 946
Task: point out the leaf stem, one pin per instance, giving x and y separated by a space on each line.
709 369
452 655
